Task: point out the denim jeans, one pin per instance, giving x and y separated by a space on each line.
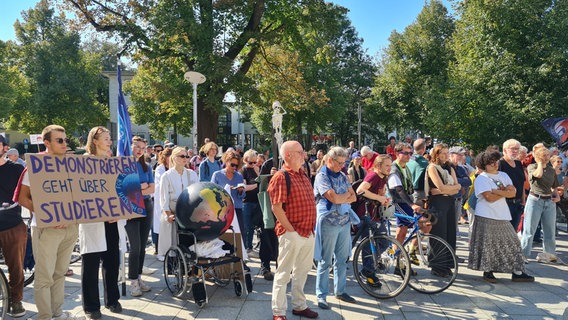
250 211
536 210
336 243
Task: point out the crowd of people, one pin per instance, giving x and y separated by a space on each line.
508 198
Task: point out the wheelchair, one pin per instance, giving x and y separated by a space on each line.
185 272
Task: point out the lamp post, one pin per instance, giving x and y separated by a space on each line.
359 124
194 78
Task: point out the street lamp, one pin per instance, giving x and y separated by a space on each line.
194 78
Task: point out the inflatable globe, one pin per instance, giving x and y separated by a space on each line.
205 209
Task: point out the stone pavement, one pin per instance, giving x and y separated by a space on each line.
468 298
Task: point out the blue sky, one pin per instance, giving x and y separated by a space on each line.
374 20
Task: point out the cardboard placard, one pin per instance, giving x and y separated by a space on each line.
74 189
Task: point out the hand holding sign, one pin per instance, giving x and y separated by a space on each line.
81 189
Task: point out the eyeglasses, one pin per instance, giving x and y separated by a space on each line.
251 163
406 153
492 163
183 156
339 163
234 165
61 140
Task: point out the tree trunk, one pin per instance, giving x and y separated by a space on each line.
207 123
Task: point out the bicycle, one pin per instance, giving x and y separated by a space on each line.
380 263
4 295
432 270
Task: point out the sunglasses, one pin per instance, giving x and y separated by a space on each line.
406 153
183 156
61 140
251 163
234 165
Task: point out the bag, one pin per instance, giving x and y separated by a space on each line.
360 199
264 199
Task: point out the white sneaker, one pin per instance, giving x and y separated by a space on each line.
146 270
67 316
545 257
143 286
135 290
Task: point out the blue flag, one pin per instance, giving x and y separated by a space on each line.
124 127
558 129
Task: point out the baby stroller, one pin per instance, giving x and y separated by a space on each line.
186 270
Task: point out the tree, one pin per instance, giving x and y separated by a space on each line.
219 39
511 69
13 86
61 82
413 76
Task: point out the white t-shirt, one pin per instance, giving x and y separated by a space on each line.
497 210
26 182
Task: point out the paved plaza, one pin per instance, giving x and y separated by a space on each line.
469 297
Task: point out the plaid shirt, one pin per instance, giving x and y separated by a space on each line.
300 206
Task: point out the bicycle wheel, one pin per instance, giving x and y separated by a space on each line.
4 295
380 268
438 265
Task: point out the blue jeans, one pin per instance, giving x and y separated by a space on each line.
250 210
536 210
336 243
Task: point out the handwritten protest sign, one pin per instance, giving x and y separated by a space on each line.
81 189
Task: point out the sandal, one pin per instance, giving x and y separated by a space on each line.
69 273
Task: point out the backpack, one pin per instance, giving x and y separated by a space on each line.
264 199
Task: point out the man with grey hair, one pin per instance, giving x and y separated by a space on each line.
14 156
368 158
334 196
511 165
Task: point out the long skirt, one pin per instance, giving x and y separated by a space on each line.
494 246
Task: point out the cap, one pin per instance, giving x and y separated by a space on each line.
355 155
12 151
456 150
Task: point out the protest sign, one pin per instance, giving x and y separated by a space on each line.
74 189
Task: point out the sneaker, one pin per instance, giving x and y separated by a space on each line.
346 298
322 304
143 287
65 315
489 277
252 254
93 314
523 277
267 274
16 310
372 279
414 259
135 288
116 308
146 270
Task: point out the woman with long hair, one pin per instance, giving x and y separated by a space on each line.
356 171
99 242
138 229
442 185
172 183
252 215
163 166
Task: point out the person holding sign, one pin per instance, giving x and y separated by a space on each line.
138 229
99 241
52 246
172 184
